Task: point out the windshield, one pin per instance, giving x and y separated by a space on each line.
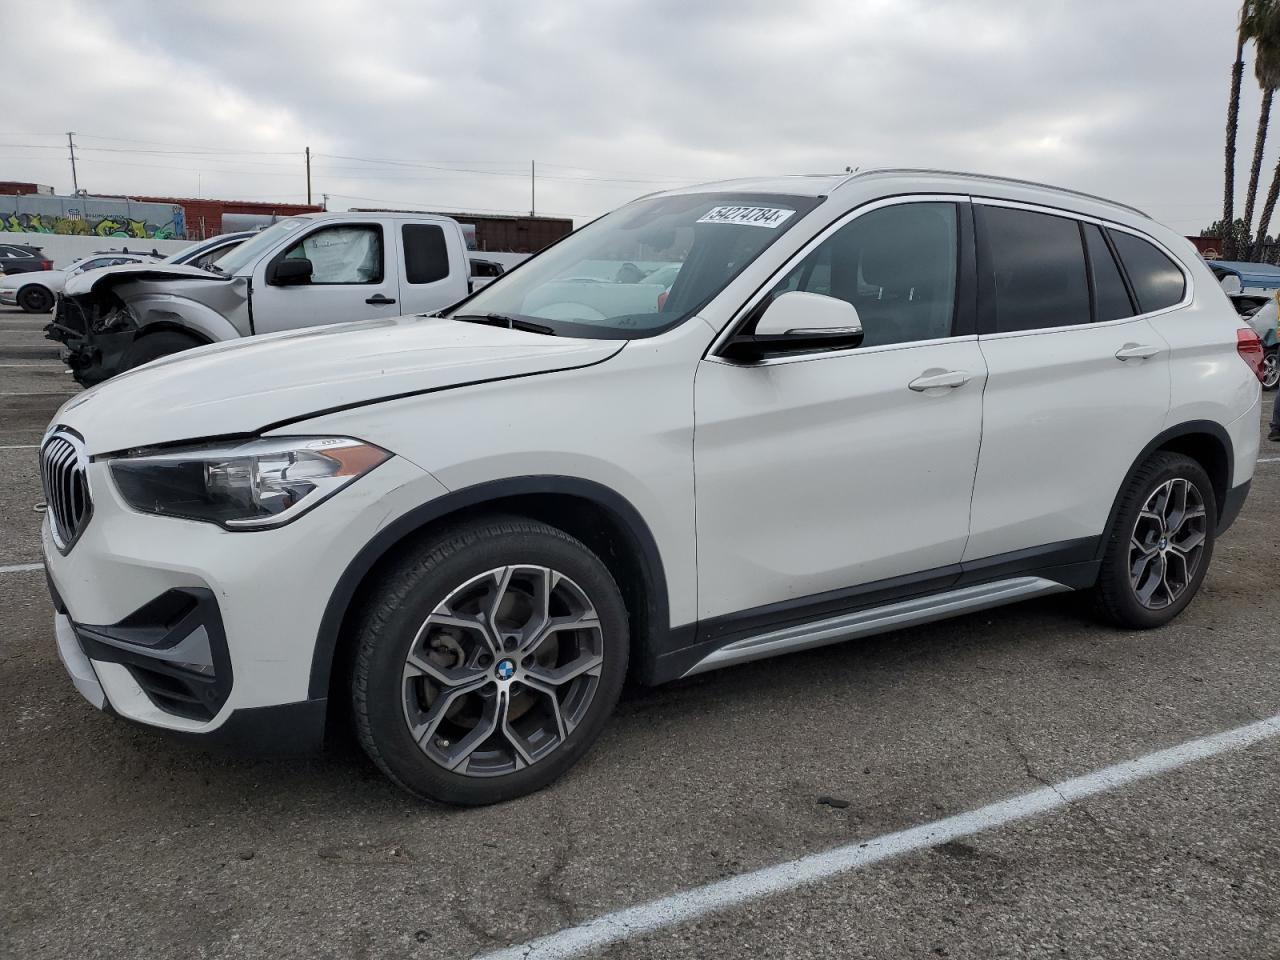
187 254
643 268
255 246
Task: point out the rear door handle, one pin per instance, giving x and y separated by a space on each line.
945 378
379 300
1136 351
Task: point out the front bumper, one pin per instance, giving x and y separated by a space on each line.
208 633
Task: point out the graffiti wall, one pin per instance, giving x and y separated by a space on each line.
90 217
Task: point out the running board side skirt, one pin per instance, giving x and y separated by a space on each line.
864 623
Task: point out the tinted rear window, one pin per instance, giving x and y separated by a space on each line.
1037 268
1156 279
426 256
1110 298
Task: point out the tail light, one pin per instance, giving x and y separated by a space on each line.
46 264
1250 349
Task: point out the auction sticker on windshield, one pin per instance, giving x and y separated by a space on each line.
770 217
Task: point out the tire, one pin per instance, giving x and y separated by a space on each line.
1271 368
153 346
1162 553
34 298
487 735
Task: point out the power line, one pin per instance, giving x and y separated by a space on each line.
447 166
162 143
495 173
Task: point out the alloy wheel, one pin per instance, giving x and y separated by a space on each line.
1271 370
1167 543
502 670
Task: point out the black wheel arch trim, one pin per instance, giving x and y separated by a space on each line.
621 509
170 326
1186 429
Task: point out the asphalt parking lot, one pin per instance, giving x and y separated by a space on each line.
118 842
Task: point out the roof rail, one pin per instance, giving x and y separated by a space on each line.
878 171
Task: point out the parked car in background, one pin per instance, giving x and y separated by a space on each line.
37 292
841 420
209 251
1255 278
22 258
300 272
1254 289
484 272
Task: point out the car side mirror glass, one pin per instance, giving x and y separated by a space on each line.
290 272
798 322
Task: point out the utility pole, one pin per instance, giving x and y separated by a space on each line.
75 183
533 188
308 176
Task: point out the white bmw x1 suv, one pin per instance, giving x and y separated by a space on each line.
721 423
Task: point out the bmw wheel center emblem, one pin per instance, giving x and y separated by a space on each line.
506 669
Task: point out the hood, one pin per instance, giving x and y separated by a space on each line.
242 386
102 280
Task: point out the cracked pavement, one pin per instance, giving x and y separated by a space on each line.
117 842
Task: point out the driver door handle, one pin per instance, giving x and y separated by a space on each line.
379 300
1136 351
948 378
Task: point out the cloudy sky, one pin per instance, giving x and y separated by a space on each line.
442 105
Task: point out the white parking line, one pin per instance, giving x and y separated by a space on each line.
20 446
37 365
21 567
1270 460
735 891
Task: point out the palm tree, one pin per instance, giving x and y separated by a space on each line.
1259 18
1265 30
1233 122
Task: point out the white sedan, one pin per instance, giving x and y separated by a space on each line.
36 292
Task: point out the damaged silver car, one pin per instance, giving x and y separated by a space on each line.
300 272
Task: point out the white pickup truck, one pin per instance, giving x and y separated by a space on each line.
300 272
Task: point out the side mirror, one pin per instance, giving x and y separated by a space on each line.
290 272
798 322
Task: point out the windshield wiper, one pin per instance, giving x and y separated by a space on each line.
502 320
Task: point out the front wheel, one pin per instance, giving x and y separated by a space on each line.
1271 368
35 299
1160 543
488 661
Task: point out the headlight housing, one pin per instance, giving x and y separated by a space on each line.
250 485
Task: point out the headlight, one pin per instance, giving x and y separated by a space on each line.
244 486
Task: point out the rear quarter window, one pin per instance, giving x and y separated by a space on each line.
426 255
1157 282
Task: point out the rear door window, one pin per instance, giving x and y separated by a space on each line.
1035 268
426 255
1110 298
1157 281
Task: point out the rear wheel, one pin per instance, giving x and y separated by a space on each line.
35 299
1160 544
153 346
488 662
1271 368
